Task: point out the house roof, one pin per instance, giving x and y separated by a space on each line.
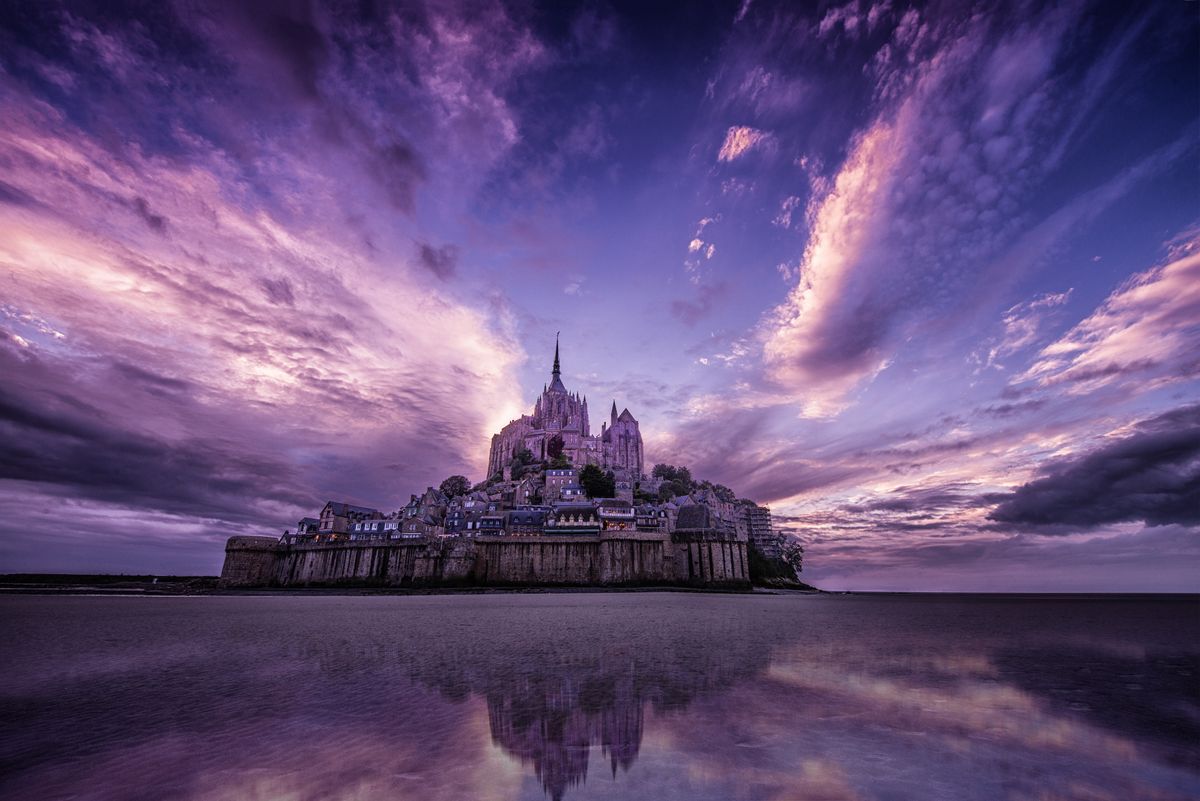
693 517
615 503
340 508
535 517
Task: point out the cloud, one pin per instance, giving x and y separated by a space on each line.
1023 326
786 210
157 222
1151 475
929 198
1146 332
54 435
739 140
441 262
203 324
1161 559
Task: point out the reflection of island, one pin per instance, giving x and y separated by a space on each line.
554 727
555 691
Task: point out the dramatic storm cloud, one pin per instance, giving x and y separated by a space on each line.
922 277
1152 475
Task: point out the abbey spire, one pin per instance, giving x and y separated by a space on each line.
556 384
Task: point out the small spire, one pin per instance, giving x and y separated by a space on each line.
556 371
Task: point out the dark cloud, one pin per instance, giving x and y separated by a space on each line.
278 291
924 499
157 222
150 381
1152 475
52 434
290 32
1006 410
442 262
14 196
400 170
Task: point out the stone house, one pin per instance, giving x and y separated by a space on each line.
556 479
337 517
491 524
414 527
525 522
650 517
573 519
616 515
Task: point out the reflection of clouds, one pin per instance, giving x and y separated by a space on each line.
922 699
295 757
969 707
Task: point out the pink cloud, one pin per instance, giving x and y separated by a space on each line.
740 140
1144 333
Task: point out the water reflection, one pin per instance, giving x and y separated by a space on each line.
560 687
670 696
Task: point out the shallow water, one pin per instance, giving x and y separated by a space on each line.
582 696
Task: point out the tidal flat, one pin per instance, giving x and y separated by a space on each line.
599 696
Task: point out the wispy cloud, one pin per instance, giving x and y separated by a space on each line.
740 140
1146 331
927 196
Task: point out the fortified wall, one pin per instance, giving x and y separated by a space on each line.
695 557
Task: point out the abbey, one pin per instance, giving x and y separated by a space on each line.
561 414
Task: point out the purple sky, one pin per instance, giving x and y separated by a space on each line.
925 280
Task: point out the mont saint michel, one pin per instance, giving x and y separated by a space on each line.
560 506
596 400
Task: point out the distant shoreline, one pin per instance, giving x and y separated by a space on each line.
146 585
119 585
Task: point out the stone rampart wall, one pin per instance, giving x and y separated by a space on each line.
713 561
249 561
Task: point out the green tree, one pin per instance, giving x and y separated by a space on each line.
640 496
724 493
455 486
676 480
521 462
554 447
793 554
596 483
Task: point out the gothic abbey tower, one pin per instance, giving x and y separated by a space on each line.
558 412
